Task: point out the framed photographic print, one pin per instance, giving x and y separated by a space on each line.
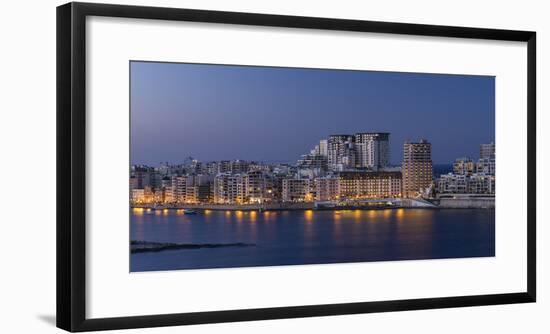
218 166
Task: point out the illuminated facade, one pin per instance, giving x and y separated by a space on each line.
137 196
229 189
417 168
326 189
464 166
297 190
255 185
363 185
340 168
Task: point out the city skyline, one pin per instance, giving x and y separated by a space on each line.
219 112
336 171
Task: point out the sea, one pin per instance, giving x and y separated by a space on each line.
229 239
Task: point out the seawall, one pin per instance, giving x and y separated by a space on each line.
467 203
455 202
242 207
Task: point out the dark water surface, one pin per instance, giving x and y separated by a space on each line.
311 237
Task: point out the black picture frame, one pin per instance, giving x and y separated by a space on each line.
71 166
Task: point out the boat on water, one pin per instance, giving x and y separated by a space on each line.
189 212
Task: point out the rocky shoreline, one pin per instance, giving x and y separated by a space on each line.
139 246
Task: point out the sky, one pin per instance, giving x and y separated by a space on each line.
275 114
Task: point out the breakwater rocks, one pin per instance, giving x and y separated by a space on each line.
138 246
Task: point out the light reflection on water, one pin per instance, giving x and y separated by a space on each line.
301 237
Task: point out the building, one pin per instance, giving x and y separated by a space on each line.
297 190
340 152
157 195
166 182
238 166
485 166
229 189
133 183
367 184
212 168
204 193
487 151
315 151
326 188
481 184
179 188
168 194
372 150
189 188
471 177
137 196
417 168
452 184
323 147
464 166
143 178
155 180
313 161
148 195
255 184
223 166
466 184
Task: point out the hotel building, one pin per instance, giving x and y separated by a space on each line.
363 185
417 168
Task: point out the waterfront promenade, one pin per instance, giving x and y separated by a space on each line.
455 202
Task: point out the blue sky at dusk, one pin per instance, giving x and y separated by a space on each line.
220 112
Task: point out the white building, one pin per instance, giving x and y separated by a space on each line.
486 166
340 152
323 147
255 185
373 150
453 184
229 189
179 188
481 184
466 184
487 151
